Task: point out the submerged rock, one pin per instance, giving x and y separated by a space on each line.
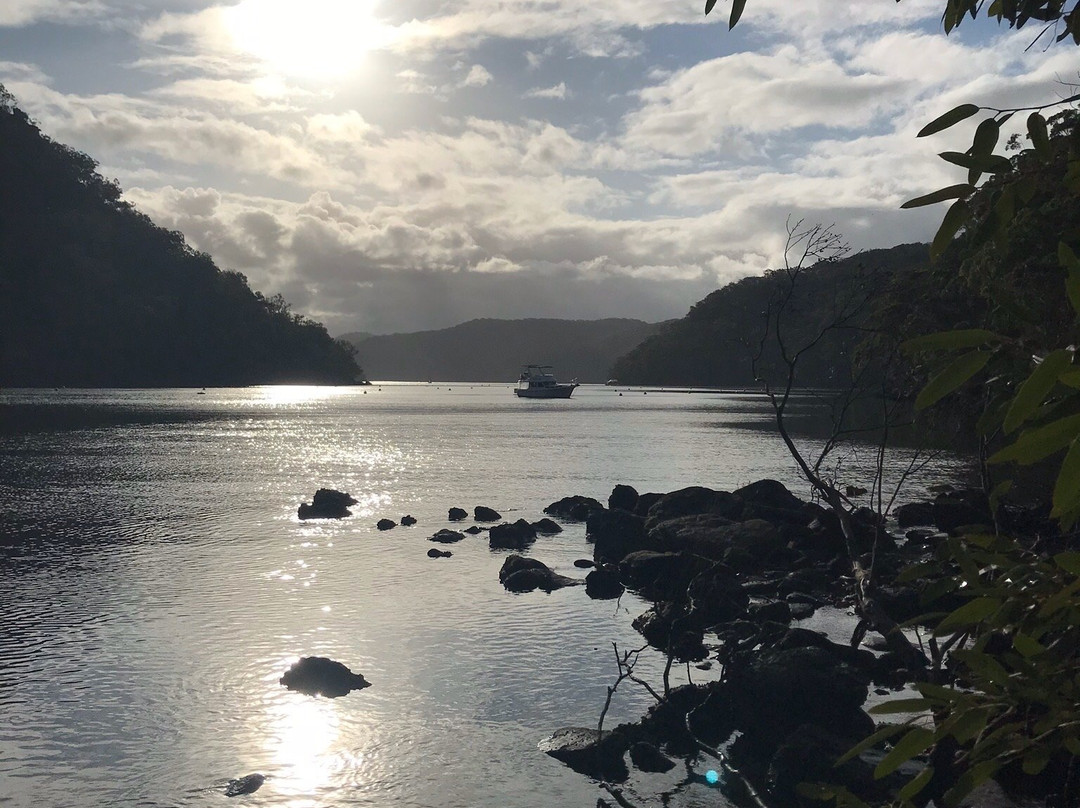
576 508
616 533
511 536
648 758
248 784
589 751
482 513
547 527
319 676
447 536
457 514
408 521
435 552
603 584
472 530
522 574
386 524
327 504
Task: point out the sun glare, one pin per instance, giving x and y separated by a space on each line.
315 38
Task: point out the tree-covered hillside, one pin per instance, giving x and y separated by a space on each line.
490 350
92 293
715 344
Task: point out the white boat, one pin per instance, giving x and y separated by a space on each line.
537 381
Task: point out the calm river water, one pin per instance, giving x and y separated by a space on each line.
155 583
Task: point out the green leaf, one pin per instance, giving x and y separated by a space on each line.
958 214
1071 378
916 784
986 137
953 376
941 195
975 776
990 163
1037 444
1000 490
951 340
1037 386
816 791
968 724
1027 646
1040 137
709 6
1035 760
1070 562
917 741
1066 257
737 7
1067 487
950 118
983 665
870 741
971 613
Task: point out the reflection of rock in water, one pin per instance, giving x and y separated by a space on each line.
244 785
319 676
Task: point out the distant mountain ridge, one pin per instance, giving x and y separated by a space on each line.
490 350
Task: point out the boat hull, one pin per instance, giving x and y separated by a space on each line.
562 391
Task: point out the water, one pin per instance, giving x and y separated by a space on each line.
156 583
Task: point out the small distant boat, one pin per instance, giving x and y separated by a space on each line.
611 382
537 381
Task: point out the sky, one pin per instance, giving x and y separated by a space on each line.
407 165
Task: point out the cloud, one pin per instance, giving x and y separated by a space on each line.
559 91
478 77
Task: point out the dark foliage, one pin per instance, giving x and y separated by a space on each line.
715 344
93 293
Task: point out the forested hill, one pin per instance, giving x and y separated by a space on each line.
92 293
714 344
494 350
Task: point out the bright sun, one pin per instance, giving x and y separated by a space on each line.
318 38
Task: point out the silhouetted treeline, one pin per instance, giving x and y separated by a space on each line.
93 293
489 350
716 343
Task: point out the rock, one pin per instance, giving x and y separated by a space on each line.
801 611
645 502
957 509
319 676
770 493
447 536
518 535
809 754
589 752
915 513
327 504
248 784
665 629
473 530
746 546
576 508
648 758
408 521
694 501
805 581
522 574
623 497
547 527
616 533
779 690
386 524
584 563
457 514
602 584
660 576
435 552
485 514
777 611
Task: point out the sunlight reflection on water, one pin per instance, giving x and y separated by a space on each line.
157 583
